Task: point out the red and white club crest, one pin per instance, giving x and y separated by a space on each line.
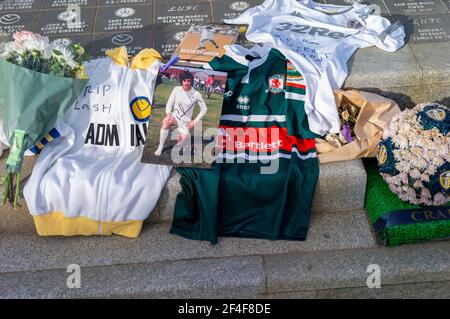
276 83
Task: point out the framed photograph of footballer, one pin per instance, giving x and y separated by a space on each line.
185 118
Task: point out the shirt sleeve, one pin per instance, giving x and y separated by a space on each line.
171 101
203 108
380 32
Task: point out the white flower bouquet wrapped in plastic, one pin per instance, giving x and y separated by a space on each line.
40 80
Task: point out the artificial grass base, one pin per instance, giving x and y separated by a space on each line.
380 200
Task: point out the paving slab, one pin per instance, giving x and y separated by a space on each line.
349 268
372 67
311 294
329 232
241 277
434 61
16 220
429 290
409 96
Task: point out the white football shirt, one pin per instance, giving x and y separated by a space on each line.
319 40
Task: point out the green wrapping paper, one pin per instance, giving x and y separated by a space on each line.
30 105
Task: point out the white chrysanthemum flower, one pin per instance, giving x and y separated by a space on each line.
440 199
437 161
415 173
63 54
22 36
419 155
13 48
38 44
401 141
425 177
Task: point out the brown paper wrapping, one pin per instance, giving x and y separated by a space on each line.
375 114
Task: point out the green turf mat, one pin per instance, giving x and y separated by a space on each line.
414 223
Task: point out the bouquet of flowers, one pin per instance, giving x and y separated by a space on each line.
414 155
363 116
37 53
348 113
40 81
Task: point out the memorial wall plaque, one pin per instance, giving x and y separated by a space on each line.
14 22
84 40
229 9
123 18
242 40
182 13
447 3
415 7
424 20
55 22
124 2
134 42
17 5
427 28
167 39
377 6
62 4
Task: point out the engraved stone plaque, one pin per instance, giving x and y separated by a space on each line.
72 39
17 21
377 6
17 5
134 42
415 7
229 9
447 3
124 2
62 4
167 39
182 13
427 28
55 22
123 18
242 40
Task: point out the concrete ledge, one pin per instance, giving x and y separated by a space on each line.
18 252
341 187
409 96
427 262
215 278
429 290
373 67
417 73
421 271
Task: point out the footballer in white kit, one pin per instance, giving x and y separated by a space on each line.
208 34
179 111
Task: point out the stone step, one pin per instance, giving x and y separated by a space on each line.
419 271
341 187
417 73
29 252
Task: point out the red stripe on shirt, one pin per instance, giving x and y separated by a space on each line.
256 139
300 86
